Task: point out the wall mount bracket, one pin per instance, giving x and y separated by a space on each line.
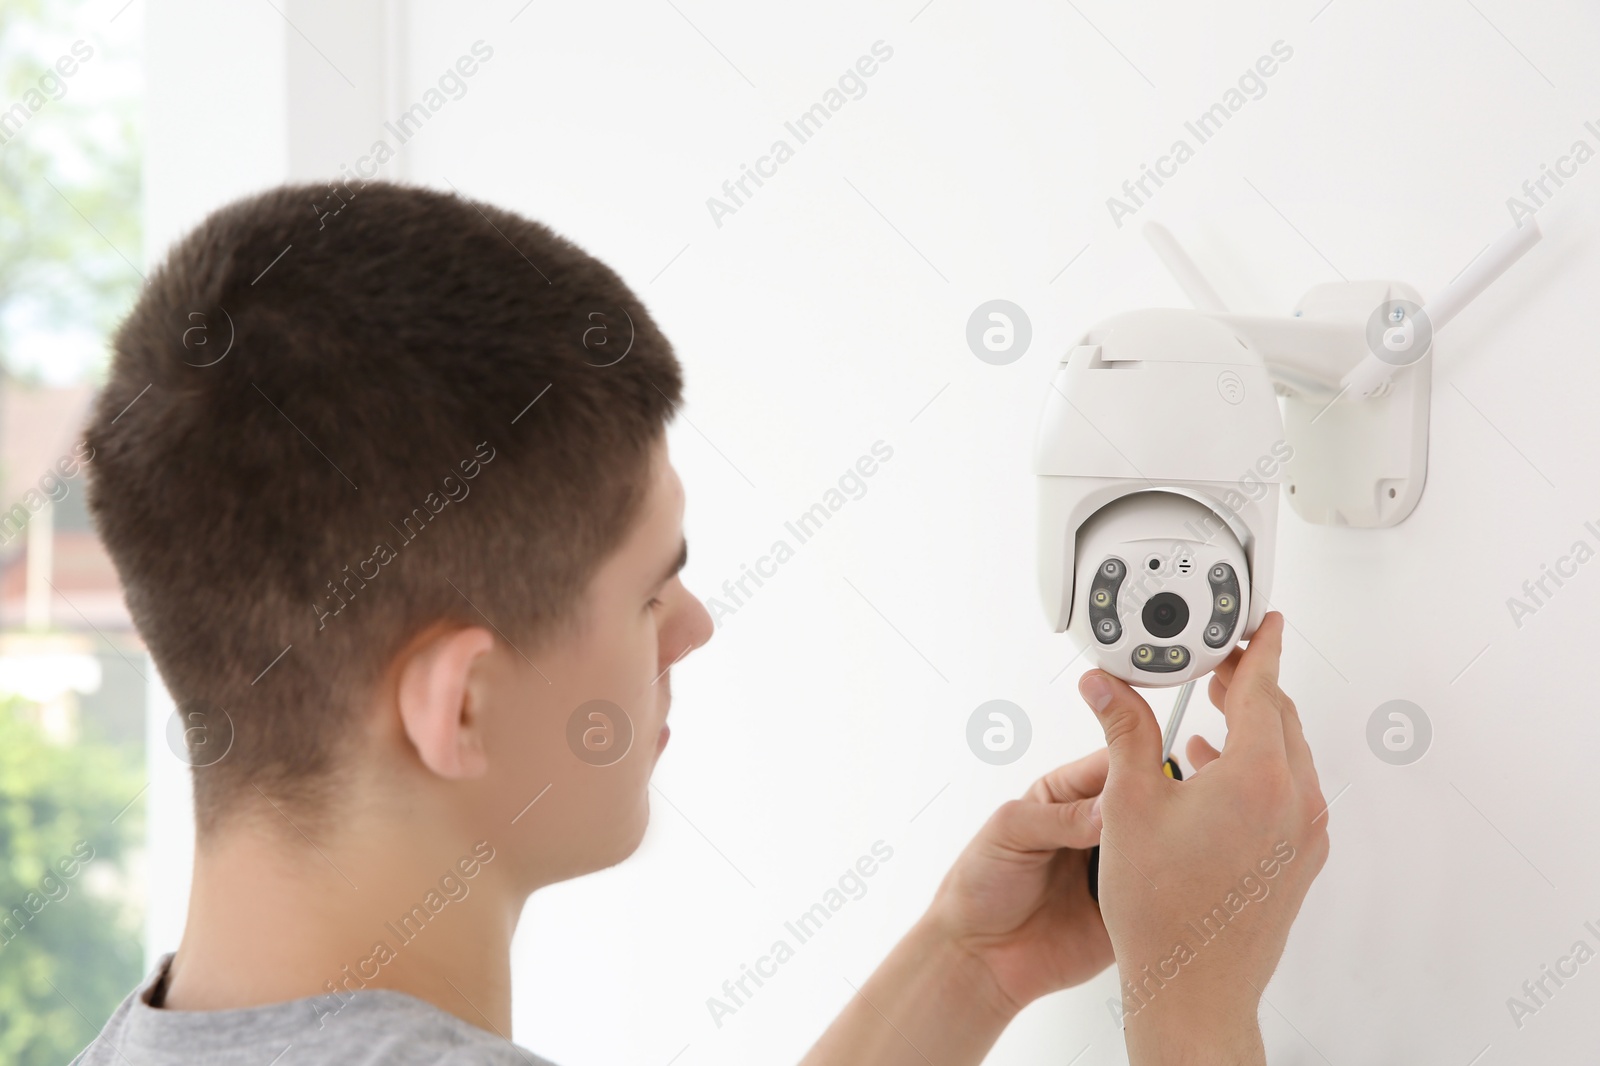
1354 366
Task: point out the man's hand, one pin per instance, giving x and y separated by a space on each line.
1012 921
1018 897
1201 879
1218 863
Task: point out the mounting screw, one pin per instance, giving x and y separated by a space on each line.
1397 315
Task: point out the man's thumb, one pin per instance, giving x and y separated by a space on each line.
1130 725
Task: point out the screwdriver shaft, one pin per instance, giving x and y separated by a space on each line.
1175 719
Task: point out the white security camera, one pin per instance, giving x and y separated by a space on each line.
1161 449
1159 455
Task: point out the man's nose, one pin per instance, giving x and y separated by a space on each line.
698 626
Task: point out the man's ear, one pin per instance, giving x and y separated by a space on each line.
442 702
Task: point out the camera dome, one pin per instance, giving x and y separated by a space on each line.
1162 588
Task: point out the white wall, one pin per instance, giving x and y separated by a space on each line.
826 314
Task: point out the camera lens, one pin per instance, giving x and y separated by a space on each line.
1165 615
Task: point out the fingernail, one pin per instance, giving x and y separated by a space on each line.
1096 689
1094 813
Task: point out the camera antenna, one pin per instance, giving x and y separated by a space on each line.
1183 269
1372 375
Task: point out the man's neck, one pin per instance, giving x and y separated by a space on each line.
274 918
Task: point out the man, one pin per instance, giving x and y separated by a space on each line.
407 553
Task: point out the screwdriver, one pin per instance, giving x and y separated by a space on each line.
1168 736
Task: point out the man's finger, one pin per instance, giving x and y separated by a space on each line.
1225 669
1024 825
1132 734
1201 753
1218 692
1259 661
1081 779
1294 738
1295 745
1255 720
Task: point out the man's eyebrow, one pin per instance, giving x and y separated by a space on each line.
677 564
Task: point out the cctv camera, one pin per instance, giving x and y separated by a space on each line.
1161 590
1161 448
1159 456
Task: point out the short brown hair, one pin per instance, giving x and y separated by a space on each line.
315 375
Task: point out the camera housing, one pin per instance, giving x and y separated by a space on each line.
1160 435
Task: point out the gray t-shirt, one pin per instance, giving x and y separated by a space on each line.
371 1027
